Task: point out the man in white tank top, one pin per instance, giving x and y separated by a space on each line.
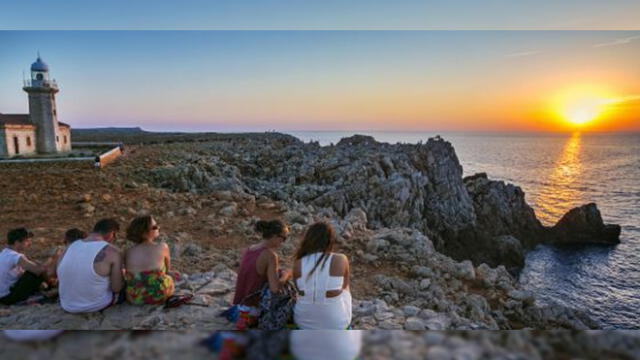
90 270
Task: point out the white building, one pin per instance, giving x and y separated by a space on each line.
38 131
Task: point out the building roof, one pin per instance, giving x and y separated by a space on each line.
15 119
21 120
39 65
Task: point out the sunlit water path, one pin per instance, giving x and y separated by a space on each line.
558 172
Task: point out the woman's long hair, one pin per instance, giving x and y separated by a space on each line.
320 238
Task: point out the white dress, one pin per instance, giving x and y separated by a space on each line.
325 344
314 311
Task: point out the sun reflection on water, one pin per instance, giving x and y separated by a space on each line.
561 190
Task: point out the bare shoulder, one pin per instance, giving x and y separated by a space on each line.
268 256
108 252
342 258
113 250
271 255
340 262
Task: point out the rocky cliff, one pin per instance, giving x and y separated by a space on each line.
400 185
429 249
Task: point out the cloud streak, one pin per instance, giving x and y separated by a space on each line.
623 100
617 42
522 54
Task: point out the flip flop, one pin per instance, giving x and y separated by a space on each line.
175 301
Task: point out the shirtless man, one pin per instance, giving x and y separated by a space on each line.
90 270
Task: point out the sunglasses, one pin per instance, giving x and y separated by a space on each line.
155 227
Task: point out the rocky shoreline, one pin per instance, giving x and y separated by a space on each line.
430 250
427 290
402 185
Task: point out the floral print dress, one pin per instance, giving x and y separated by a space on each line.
149 287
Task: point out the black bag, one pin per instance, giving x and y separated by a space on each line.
276 310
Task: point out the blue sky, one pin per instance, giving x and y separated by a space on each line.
318 80
326 14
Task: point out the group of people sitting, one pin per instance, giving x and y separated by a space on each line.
92 273
321 277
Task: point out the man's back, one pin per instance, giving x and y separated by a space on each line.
83 275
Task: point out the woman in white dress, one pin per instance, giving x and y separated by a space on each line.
325 344
322 278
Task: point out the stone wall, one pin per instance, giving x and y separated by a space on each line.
26 140
64 139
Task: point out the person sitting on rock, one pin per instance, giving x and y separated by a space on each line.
20 277
147 264
260 265
74 234
322 278
90 270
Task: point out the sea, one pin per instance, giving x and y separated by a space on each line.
559 171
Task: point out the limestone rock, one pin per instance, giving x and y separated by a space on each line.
415 324
229 210
584 225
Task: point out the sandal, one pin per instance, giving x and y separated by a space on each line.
175 301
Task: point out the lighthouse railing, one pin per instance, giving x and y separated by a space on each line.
46 83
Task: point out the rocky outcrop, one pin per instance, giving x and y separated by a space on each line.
198 174
583 225
403 185
501 209
429 249
429 290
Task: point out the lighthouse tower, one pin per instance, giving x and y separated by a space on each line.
42 107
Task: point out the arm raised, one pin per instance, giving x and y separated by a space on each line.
30 266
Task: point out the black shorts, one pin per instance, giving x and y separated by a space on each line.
27 285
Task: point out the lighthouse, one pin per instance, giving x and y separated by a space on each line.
38 131
42 108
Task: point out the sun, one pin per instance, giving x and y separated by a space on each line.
583 111
581 106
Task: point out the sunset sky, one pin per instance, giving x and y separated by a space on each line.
334 80
325 14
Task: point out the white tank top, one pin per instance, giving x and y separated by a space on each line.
81 288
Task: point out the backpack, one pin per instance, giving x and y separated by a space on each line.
276 310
